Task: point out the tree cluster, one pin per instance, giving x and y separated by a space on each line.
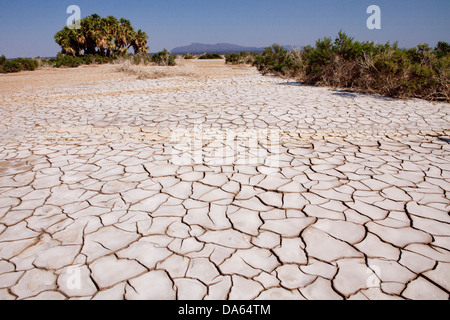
103 36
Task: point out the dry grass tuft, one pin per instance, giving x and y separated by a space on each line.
143 72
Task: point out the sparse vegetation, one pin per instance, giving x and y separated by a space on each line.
189 56
386 69
140 59
277 60
240 58
143 72
98 41
28 64
68 61
164 58
17 65
210 56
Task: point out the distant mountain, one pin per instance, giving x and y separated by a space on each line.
198 48
293 48
222 48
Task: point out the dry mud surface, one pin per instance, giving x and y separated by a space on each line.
213 182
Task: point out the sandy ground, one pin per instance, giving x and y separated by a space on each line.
44 78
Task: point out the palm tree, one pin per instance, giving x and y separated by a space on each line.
125 35
80 40
89 25
100 36
66 38
110 25
139 42
104 36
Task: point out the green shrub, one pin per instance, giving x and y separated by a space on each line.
315 59
141 59
171 61
188 56
88 59
48 62
232 58
420 72
28 64
68 61
163 58
241 58
210 56
11 66
442 49
17 65
277 60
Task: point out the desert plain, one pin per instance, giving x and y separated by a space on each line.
210 181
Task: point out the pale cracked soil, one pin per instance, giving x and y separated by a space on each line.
220 185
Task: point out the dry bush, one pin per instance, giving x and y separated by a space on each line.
420 72
154 72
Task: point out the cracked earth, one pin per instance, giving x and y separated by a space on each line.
243 187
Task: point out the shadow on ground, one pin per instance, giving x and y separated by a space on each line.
444 139
294 83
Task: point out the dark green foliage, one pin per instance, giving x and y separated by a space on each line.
210 56
141 59
28 64
163 58
97 59
68 61
241 58
74 62
232 58
171 61
17 65
103 36
277 60
189 56
420 72
99 41
11 67
442 49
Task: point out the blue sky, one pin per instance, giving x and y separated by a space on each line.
27 27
